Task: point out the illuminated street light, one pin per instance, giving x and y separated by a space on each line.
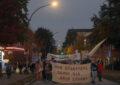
55 3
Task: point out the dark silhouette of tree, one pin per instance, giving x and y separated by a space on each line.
107 24
13 21
70 38
45 40
31 36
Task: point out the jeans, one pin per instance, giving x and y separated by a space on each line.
94 74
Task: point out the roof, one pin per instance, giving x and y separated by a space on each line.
81 30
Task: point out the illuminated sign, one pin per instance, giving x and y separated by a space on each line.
11 48
6 60
14 48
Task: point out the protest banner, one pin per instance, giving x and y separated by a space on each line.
75 56
70 73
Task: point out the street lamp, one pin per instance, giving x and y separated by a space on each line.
54 4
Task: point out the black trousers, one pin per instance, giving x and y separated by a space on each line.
100 76
9 74
49 76
44 74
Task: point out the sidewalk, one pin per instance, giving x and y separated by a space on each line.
14 78
104 82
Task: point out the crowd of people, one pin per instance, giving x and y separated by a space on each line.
43 69
96 67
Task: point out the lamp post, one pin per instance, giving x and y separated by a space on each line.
85 43
54 4
53 36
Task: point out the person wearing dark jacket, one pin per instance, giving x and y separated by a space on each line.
93 71
48 69
44 72
87 60
32 68
20 66
8 69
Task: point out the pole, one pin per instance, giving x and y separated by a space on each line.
35 12
26 54
28 27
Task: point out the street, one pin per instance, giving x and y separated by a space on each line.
104 82
59 42
16 79
13 79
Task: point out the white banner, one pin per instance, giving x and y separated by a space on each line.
70 73
75 56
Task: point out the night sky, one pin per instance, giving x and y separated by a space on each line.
68 14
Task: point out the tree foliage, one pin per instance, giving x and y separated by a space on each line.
70 38
78 44
31 36
13 21
45 40
107 24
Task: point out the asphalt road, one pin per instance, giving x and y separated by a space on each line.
104 82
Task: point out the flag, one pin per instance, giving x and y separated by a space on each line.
109 53
92 52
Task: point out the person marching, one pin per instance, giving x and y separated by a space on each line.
8 69
93 70
39 69
48 69
99 70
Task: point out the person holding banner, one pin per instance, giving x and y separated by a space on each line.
93 70
39 69
48 69
87 60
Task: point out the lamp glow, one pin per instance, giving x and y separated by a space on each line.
55 3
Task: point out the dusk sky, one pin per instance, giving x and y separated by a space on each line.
69 14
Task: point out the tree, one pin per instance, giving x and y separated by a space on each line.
13 21
80 44
45 40
31 36
70 38
77 45
107 24
70 49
